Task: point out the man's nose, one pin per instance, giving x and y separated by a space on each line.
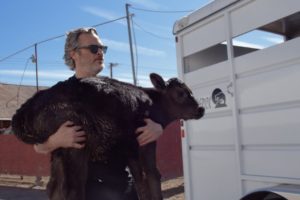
100 52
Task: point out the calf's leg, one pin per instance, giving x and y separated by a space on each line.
153 176
139 179
68 175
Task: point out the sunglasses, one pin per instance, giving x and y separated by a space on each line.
94 48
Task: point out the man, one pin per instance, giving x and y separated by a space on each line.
84 53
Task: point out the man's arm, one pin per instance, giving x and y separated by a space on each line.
71 136
67 136
149 133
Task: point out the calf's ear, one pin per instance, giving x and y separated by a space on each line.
157 81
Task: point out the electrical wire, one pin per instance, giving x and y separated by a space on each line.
22 77
19 86
110 21
120 18
162 11
150 33
55 37
5 58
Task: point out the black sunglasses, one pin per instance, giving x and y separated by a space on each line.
94 48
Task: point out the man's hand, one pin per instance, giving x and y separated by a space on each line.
67 136
149 133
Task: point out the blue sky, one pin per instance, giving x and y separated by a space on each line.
24 23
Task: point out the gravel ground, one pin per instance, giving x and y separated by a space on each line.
173 189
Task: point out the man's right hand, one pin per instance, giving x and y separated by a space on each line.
68 135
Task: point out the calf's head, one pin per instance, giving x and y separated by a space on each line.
177 98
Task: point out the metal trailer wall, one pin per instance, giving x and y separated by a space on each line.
253 140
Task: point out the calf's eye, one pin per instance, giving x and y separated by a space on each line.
182 94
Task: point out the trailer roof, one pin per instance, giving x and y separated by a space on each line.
201 14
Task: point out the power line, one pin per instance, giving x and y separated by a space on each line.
161 68
22 77
162 11
150 33
103 23
19 86
5 58
55 37
110 21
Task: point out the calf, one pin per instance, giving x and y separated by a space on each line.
109 111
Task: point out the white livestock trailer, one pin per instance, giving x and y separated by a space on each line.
242 60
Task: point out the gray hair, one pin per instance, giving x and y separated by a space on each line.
72 43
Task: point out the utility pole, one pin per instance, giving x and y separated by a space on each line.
128 16
111 65
36 67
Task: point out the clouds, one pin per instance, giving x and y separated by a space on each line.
43 74
247 44
46 77
260 42
118 45
274 40
124 47
103 14
50 77
146 4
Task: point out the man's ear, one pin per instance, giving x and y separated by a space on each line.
72 54
157 81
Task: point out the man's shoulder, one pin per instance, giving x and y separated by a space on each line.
71 80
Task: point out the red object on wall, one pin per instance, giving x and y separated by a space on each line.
20 159
169 155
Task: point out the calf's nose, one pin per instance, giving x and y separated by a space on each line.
200 112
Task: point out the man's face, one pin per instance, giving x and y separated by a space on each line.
86 61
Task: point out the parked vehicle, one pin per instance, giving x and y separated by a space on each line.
242 60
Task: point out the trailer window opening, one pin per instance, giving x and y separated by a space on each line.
274 33
207 57
268 35
253 41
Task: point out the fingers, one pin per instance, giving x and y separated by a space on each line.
77 128
68 123
140 130
71 124
79 137
78 145
70 127
145 138
148 133
69 135
144 128
79 133
148 120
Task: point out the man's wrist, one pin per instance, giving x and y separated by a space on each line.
46 147
51 144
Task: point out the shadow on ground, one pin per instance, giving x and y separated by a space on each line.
15 193
173 191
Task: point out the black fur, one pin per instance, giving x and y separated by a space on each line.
109 112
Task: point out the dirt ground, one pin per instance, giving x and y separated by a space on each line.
173 189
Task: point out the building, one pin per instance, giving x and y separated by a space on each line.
11 97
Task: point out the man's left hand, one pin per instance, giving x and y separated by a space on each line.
149 133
